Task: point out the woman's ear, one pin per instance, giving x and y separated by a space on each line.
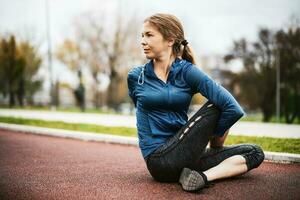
171 42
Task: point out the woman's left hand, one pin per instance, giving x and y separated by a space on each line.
217 141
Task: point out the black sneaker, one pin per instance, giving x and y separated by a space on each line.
191 180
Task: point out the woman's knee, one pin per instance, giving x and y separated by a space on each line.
254 157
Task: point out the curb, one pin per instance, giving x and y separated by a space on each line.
86 136
99 137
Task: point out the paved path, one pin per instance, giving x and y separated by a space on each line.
240 128
43 167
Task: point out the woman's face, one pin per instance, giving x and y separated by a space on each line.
153 43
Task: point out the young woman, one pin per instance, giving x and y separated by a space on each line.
174 148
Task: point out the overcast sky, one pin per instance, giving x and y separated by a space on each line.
210 26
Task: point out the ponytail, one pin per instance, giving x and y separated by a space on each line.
187 54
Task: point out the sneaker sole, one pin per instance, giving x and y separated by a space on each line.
191 180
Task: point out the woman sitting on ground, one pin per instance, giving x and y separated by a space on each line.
174 148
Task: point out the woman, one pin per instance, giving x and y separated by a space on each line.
174 148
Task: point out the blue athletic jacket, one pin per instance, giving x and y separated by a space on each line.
161 108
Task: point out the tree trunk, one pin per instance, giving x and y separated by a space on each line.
11 99
20 93
112 91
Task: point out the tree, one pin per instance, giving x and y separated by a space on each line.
19 64
108 49
274 49
30 82
288 52
70 54
264 50
12 69
257 80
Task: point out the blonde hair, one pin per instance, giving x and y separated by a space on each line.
171 28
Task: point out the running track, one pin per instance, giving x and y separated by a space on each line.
42 167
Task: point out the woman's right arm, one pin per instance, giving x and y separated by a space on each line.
231 111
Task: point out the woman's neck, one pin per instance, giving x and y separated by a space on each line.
162 65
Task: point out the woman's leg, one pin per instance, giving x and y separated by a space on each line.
167 162
229 161
186 149
232 166
220 163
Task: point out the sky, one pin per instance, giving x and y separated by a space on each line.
210 26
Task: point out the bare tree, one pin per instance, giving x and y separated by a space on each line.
108 50
70 54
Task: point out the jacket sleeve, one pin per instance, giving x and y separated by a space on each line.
231 111
131 83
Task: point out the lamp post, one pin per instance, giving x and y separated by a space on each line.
49 53
278 84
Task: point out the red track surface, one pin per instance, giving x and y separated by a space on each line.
42 167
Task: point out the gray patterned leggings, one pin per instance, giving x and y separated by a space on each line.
187 148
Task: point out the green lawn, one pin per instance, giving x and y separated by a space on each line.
124 131
62 109
259 118
268 144
251 117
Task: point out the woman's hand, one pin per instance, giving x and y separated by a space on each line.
216 141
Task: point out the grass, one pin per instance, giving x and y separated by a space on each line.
257 117
286 145
267 143
124 131
62 109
